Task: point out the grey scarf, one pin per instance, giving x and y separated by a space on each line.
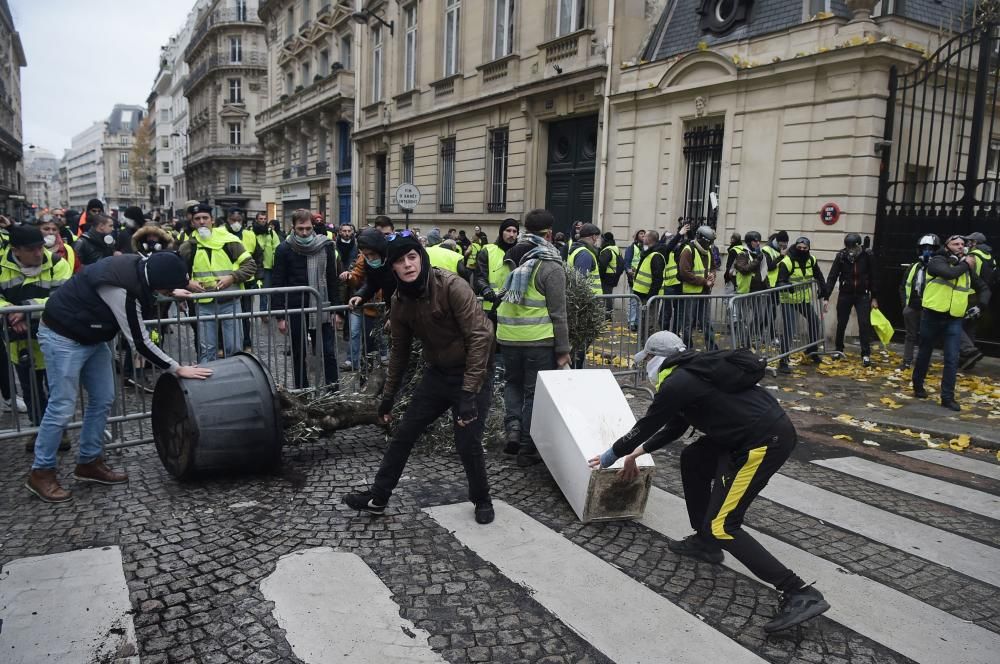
518 280
315 254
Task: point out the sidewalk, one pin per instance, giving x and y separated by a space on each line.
883 396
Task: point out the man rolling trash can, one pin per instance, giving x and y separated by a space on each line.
740 448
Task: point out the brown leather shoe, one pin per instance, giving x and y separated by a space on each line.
98 471
43 483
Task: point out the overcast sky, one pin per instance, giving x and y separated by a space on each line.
85 56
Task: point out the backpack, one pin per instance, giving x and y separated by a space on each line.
728 370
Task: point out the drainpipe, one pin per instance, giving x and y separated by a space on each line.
356 195
605 115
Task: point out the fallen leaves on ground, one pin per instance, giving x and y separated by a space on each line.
960 443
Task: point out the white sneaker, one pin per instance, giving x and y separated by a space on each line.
18 403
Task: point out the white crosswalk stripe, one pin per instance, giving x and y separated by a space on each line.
941 547
956 461
619 616
892 618
970 500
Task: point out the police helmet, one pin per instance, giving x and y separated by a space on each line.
705 235
751 236
852 240
930 240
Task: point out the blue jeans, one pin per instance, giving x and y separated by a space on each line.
70 365
362 325
213 314
936 326
265 282
300 337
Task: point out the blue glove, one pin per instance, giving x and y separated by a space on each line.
608 458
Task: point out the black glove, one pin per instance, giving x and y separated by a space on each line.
385 407
489 295
467 411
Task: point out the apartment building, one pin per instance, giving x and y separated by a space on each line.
124 184
12 59
84 163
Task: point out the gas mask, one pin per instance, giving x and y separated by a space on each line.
204 233
50 241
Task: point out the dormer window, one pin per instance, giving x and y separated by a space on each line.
721 16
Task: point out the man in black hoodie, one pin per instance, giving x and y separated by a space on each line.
854 268
490 270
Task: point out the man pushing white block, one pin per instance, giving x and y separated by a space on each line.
577 415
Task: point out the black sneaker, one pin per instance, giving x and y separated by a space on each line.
905 366
797 607
783 368
695 547
365 502
866 361
513 442
952 405
484 512
919 392
815 357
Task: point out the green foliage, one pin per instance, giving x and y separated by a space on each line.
585 314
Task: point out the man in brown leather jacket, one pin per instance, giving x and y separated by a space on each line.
439 309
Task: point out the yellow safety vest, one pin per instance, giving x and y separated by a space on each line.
212 262
444 258
908 284
981 257
594 274
662 376
70 256
268 243
670 276
249 240
616 254
474 250
636 256
527 321
698 268
498 271
18 289
803 275
742 281
772 274
644 277
948 296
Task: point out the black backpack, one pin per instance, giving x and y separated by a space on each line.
729 370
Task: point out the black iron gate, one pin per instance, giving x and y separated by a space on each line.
940 170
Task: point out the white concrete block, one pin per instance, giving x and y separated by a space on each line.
577 415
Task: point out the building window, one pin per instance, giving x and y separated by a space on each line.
289 83
447 187
376 64
123 140
123 158
720 16
498 171
703 157
503 29
306 10
164 141
235 133
346 54
164 115
123 175
407 162
305 74
241 10
381 183
234 181
124 189
290 22
235 91
165 167
410 47
235 49
344 146
324 62
452 14
570 16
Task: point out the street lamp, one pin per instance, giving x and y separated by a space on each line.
362 17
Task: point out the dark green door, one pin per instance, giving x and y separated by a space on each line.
572 159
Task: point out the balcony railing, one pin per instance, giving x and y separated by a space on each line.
301 170
255 59
225 151
322 168
337 85
286 174
216 18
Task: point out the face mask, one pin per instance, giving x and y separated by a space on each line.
108 239
374 264
259 228
129 223
236 228
204 233
31 271
304 241
653 369
346 240
50 240
926 254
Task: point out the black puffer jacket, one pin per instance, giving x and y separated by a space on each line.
856 274
91 247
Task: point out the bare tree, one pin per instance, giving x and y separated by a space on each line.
143 166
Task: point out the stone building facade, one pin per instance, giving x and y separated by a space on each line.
11 151
226 87
306 131
41 176
84 165
123 184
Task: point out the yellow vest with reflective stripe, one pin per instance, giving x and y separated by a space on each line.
662 376
527 321
268 243
908 284
798 275
18 289
70 256
948 296
637 250
474 250
742 280
670 277
594 274
616 255
644 277
444 258
698 268
981 257
249 240
498 271
772 274
211 261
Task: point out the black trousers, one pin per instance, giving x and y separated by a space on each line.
719 487
862 305
438 392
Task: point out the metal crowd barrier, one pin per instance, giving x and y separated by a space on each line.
780 321
296 359
621 340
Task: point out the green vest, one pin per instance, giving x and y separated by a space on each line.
644 277
249 240
17 289
698 268
775 256
948 296
981 257
595 274
527 321
498 271
474 250
211 260
268 242
662 376
670 277
798 275
741 280
911 276
637 250
444 258
616 255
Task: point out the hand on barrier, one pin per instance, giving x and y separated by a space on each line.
345 275
973 313
17 323
354 302
283 326
225 282
194 371
181 292
467 411
195 287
